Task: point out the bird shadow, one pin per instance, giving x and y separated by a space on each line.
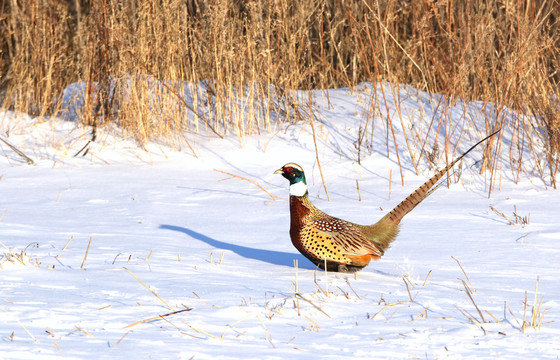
269 256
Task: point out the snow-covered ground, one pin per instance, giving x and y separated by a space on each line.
95 248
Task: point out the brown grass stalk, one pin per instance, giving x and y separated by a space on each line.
464 272
311 123
358 189
68 242
537 314
150 290
252 182
19 152
427 277
86 254
469 317
84 331
502 215
351 288
157 317
386 306
408 289
298 295
150 254
121 339
24 328
423 313
468 291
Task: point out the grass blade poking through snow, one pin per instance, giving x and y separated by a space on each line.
468 291
20 153
24 328
536 314
157 317
464 272
310 302
86 254
252 182
150 290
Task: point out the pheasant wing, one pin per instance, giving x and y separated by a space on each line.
346 236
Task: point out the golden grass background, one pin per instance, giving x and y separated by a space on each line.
500 52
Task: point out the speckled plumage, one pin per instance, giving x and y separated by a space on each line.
340 245
325 239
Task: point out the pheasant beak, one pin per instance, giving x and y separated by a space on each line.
279 171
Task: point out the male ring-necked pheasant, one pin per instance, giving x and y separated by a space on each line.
342 245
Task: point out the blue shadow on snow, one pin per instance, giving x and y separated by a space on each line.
269 256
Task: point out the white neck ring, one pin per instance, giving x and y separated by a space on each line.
298 189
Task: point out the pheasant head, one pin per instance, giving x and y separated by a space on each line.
294 173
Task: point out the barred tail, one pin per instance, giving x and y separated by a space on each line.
423 191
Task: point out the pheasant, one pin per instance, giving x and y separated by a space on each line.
341 245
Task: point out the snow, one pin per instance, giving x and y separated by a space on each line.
95 248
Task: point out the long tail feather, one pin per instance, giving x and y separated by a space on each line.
423 191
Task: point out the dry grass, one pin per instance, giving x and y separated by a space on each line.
523 220
273 198
9 257
162 69
150 290
534 320
537 313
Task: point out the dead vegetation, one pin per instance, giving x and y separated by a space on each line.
10 257
163 69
